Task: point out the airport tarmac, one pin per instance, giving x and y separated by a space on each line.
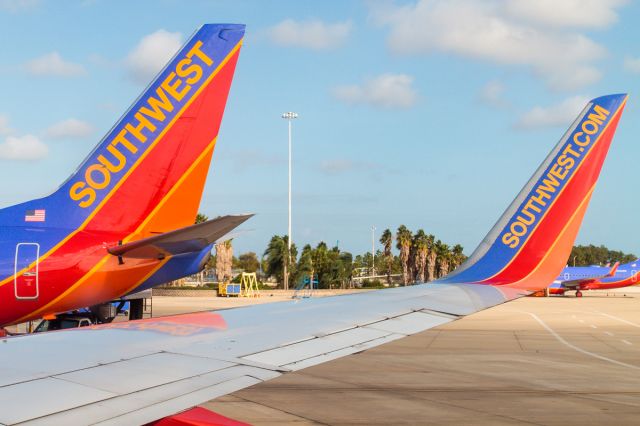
548 361
171 305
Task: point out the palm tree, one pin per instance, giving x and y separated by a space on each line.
224 260
443 258
457 256
386 239
431 258
305 264
421 249
276 255
412 262
320 258
201 217
346 259
403 243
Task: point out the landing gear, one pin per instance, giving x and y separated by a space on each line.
578 293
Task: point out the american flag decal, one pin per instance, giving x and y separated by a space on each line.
35 215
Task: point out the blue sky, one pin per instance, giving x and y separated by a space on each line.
431 114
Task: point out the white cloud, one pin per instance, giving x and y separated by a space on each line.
5 130
98 60
489 31
493 94
337 166
386 90
23 148
69 129
52 64
567 13
560 114
15 6
151 54
248 159
312 34
632 64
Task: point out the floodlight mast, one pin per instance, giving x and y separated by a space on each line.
373 251
289 116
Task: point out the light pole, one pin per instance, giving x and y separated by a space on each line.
289 116
373 248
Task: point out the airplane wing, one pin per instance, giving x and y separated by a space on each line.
581 282
190 239
139 371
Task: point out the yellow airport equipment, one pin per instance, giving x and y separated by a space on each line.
226 289
247 287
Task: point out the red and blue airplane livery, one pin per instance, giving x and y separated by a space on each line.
124 220
579 278
533 238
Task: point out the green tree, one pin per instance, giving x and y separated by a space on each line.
346 271
421 247
275 256
403 243
443 258
340 269
457 256
305 263
335 269
248 262
432 256
321 264
331 267
386 239
598 255
200 217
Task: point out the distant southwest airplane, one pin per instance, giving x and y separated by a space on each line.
124 220
581 278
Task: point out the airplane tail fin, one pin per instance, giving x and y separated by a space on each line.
148 173
529 245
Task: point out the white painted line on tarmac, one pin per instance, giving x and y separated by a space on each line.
626 342
608 333
594 326
577 349
618 319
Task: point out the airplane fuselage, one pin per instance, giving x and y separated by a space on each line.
34 284
595 279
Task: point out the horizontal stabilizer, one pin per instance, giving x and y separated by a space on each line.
190 239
